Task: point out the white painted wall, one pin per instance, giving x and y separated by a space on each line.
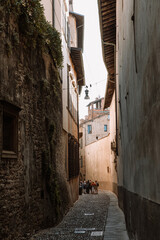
139 97
47 9
97 128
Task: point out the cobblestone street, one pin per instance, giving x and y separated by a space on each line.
87 220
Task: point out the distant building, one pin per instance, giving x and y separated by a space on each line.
95 108
96 124
95 145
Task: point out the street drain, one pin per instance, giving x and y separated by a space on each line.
97 234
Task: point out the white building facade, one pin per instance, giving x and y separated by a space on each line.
71 27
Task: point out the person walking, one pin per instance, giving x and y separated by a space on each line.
84 187
96 187
90 186
87 187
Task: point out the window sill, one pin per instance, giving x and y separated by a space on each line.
9 154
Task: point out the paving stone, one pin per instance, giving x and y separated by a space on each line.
93 217
96 234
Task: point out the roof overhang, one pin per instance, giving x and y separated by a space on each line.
107 19
97 100
80 28
77 58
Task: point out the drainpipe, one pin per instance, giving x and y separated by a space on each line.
53 20
78 129
114 45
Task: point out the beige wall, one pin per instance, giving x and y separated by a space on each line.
99 159
58 14
113 158
73 88
73 31
47 9
99 165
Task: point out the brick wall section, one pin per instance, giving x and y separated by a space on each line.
30 185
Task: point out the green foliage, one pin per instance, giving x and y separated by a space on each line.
34 27
52 186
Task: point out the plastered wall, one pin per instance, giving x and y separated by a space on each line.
138 41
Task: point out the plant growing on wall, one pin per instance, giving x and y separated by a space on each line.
33 26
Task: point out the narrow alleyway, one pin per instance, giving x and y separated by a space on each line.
93 216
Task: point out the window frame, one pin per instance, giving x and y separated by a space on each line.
89 129
105 127
12 111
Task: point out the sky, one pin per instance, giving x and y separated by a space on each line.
95 71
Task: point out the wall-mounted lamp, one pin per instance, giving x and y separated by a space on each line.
86 94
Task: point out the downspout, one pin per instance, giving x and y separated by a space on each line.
78 131
114 45
53 20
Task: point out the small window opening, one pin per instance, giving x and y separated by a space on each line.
105 128
9 128
89 129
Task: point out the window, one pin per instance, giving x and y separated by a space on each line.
89 129
105 128
10 130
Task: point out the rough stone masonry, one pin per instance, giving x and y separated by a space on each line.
30 89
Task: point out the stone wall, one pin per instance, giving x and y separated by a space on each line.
31 184
142 215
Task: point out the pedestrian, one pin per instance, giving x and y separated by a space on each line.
87 187
80 188
90 186
96 186
93 187
84 187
